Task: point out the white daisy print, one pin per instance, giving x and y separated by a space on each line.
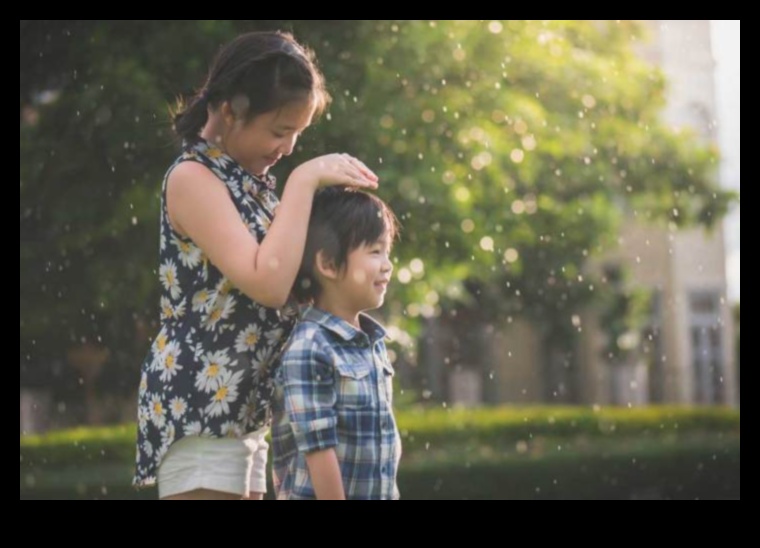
157 411
270 201
218 158
168 362
222 307
247 412
200 300
264 222
143 384
193 428
234 187
223 287
179 309
254 228
204 267
143 416
205 375
160 342
249 185
274 335
248 338
231 430
188 252
167 310
161 451
262 356
225 394
155 362
178 407
167 435
168 275
148 448
214 366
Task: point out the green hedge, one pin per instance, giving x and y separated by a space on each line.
505 452
499 425
699 465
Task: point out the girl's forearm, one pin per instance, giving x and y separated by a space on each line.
280 254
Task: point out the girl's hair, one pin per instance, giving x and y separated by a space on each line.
342 220
257 72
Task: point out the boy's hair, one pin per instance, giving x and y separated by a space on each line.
257 72
342 220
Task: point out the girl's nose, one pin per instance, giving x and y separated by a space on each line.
287 148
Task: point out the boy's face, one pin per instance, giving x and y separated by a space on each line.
366 276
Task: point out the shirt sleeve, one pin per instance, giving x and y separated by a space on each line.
310 395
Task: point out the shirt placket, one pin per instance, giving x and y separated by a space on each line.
387 426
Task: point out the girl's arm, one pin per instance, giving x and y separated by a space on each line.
200 207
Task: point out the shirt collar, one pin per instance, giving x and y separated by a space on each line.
371 329
202 146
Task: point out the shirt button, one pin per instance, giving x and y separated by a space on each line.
384 469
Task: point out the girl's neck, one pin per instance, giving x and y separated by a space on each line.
213 130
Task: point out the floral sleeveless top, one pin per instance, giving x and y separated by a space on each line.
208 372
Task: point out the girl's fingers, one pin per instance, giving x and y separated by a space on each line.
364 169
357 178
367 172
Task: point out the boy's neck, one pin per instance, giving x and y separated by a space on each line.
334 307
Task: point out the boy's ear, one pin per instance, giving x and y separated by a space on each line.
325 265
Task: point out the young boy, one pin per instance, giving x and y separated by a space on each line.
334 435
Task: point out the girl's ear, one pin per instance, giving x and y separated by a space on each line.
325 265
227 113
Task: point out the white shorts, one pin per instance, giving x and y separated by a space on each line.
220 464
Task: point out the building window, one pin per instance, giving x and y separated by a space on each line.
707 347
652 348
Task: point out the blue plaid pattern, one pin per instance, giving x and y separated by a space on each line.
333 388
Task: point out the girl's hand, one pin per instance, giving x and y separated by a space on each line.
336 169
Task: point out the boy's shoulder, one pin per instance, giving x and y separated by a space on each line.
319 329
308 333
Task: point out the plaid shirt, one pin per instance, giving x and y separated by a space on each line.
334 389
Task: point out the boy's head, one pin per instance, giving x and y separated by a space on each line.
346 257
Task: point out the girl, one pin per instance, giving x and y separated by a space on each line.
227 265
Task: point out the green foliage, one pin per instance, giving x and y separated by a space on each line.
624 311
510 151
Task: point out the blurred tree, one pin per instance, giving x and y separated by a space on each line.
509 149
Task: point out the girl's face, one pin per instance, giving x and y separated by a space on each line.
258 144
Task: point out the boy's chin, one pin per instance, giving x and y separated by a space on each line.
372 306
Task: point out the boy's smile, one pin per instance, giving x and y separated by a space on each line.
362 284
